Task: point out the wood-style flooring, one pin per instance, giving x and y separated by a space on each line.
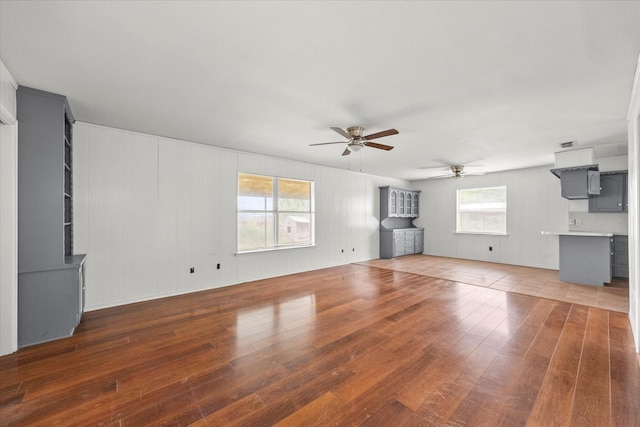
349 345
537 282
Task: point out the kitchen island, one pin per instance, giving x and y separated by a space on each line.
585 257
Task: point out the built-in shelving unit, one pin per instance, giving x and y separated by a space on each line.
50 275
68 188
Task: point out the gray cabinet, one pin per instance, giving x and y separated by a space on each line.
399 242
50 302
585 259
613 193
50 282
398 236
620 256
578 182
399 202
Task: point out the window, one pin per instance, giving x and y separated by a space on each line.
274 212
482 210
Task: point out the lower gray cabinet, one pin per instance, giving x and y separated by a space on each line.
585 259
401 241
50 302
620 257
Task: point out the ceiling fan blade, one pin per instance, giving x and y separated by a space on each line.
327 143
381 134
346 152
341 132
380 146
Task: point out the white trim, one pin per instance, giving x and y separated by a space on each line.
4 71
633 118
8 98
8 214
6 117
634 102
9 245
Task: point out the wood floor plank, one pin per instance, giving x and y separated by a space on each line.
347 345
592 400
554 401
625 379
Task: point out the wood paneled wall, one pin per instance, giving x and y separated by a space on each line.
533 205
147 208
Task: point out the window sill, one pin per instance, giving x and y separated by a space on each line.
480 233
276 248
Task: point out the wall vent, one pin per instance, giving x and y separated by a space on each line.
567 144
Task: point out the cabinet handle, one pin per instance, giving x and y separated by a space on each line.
619 204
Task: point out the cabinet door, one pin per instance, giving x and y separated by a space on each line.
393 203
419 242
611 194
415 206
398 243
407 203
401 196
409 242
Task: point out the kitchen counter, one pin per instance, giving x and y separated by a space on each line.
577 233
585 257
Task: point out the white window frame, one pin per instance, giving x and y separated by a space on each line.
275 211
506 212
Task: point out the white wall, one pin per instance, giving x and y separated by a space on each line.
8 214
634 208
533 203
147 208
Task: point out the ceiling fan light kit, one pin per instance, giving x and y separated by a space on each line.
356 139
354 147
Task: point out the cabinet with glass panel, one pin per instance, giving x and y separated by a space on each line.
399 202
399 207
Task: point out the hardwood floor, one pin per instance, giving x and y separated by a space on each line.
350 345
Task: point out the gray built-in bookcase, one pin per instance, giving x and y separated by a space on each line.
50 276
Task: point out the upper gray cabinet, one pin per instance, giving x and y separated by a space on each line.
44 179
399 203
580 182
613 193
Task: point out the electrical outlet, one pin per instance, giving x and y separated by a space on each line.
192 270
578 222
490 248
218 267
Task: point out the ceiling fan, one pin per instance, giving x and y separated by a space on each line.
357 139
457 172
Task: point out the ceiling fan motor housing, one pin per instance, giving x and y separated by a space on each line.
356 131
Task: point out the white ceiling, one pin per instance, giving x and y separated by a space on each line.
492 84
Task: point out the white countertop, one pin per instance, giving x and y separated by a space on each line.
577 233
